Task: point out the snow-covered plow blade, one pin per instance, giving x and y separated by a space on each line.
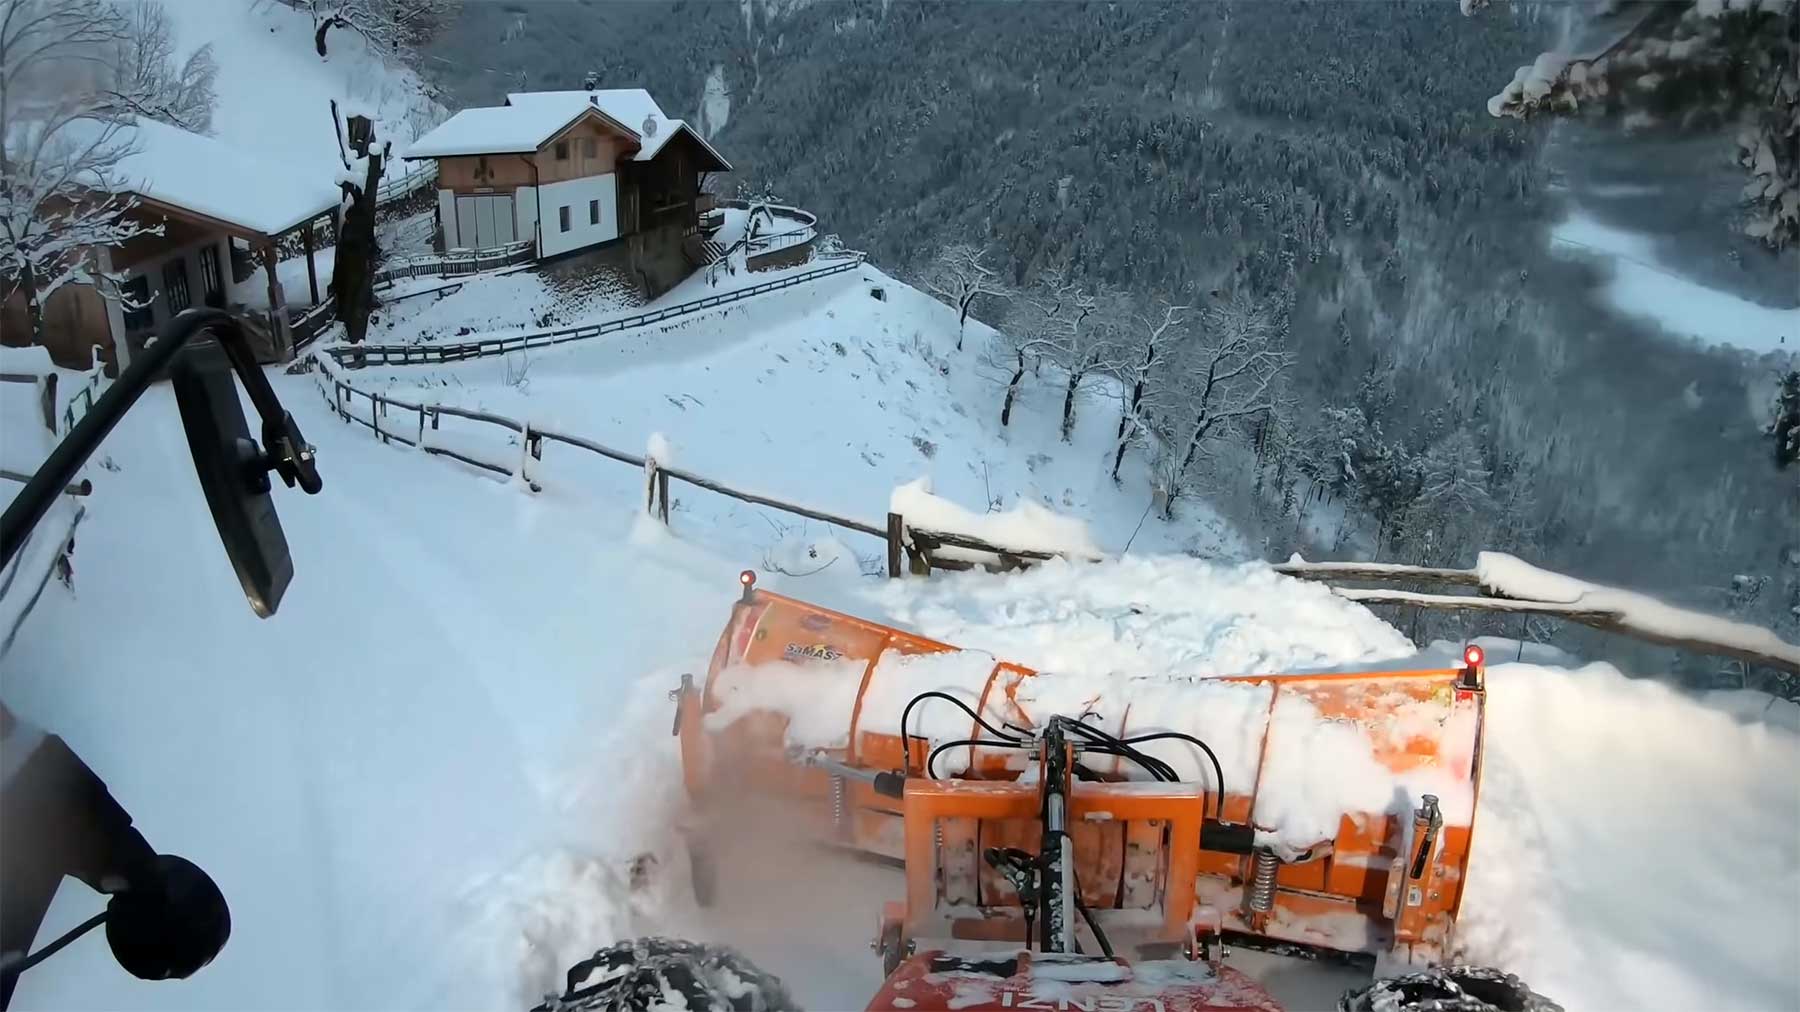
1329 811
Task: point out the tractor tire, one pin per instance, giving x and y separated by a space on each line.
661 973
1448 989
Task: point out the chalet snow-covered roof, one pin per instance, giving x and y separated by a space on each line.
206 176
529 118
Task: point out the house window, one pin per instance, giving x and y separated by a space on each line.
562 217
588 146
212 283
593 212
135 298
175 285
562 151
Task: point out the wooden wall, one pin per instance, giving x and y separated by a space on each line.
74 323
607 147
464 174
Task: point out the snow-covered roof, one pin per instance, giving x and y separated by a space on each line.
206 176
530 118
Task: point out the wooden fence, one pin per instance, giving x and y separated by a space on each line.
357 356
919 551
455 264
406 184
408 423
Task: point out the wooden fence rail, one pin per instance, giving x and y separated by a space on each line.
357 356
921 548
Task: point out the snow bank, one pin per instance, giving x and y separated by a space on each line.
1621 825
1510 577
1170 617
1027 526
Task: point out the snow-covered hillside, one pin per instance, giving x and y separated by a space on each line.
274 90
443 771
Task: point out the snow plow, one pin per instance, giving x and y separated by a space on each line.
1095 843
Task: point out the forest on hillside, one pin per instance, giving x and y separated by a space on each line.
1320 188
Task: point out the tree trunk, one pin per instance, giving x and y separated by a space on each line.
1201 424
1119 450
1068 419
962 320
34 309
353 274
1012 389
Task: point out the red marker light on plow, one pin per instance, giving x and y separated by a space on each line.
748 579
1473 656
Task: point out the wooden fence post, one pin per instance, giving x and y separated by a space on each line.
652 478
49 402
895 533
662 493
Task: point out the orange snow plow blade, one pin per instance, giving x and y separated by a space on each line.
805 705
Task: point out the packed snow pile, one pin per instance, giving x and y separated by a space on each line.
1507 576
1165 617
1026 526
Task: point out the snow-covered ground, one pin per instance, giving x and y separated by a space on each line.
822 394
443 772
273 88
1645 287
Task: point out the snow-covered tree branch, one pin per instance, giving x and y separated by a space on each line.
58 147
1231 370
958 278
1695 63
393 26
148 81
1141 339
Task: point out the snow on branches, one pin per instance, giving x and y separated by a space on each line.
59 146
148 81
958 278
1699 63
393 26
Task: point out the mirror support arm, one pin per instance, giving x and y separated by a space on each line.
289 455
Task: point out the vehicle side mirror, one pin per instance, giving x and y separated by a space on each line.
233 472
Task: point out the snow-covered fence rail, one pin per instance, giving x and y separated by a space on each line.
357 356
455 264
412 424
406 184
1510 585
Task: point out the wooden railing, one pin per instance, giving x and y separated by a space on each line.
404 185
457 263
409 423
357 356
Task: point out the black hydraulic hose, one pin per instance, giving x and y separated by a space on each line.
931 760
1094 926
906 715
1218 771
1109 745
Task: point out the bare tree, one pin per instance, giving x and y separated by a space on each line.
1697 62
1228 372
58 152
148 82
958 278
1141 341
1013 350
1072 325
393 26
